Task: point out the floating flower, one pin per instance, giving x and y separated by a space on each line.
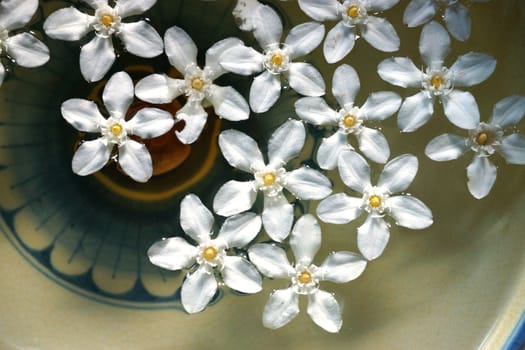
355 18
209 256
197 84
24 48
350 119
277 59
436 80
484 140
133 156
304 276
377 201
242 152
98 55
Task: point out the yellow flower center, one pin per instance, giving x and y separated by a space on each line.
107 20
482 138
349 120
375 201
209 253
305 277
277 59
269 179
353 12
116 129
436 81
197 83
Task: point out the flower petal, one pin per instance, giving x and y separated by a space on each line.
372 237
399 173
338 43
446 147
135 160
306 79
409 212
239 230
180 48
91 156
481 175
513 149
342 267
239 274
197 290
242 60
305 239
434 44
508 111
400 71
380 33
128 8
461 109
148 123
265 91
27 50
16 14
194 117
345 85
216 51
268 27
304 38
339 209
374 145
277 217
141 39
330 148
234 197
96 58
325 311
320 10
172 253
415 111
270 260
195 219
286 142
67 24
281 308
240 150
381 105
228 103
82 114
159 88
457 20
316 111
118 93
418 12
354 170
472 68
307 184
244 13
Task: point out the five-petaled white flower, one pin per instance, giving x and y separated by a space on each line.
456 16
377 201
437 81
283 304
197 84
24 48
485 140
355 19
209 258
133 156
97 56
242 152
350 119
277 59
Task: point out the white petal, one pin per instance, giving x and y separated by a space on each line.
197 290
409 212
316 111
330 148
415 111
270 260
513 149
239 274
304 38
509 111
27 50
95 4
400 71
277 217
67 24
418 12
281 308
180 48
372 237
15 14
172 253
446 147
228 103
118 93
150 122
472 68
91 156
306 79
345 85
82 114
194 117
374 145
215 53
381 105
141 39
195 219
128 8
286 142
325 311
457 20
307 184
381 5
265 91
241 229
268 27
342 267
305 239
320 10
96 58
135 160
380 33
338 43
339 209
461 109
399 173
354 170
434 44
159 88
481 175
242 60
240 150
244 13
234 197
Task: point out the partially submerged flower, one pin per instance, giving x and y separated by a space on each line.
133 156
98 55
377 201
437 81
484 140
242 152
283 304
350 119
208 260
197 84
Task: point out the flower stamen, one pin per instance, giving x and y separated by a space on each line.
107 20
482 138
277 59
436 81
116 129
209 253
375 201
349 120
197 84
269 179
305 277
353 12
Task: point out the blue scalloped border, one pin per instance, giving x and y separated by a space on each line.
516 340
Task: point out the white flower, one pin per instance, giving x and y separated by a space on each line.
133 156
210 255
304 276
484 140
436 80
98 55
24 48
277 59
356 19
242 152
456 16
197 84
377 201
350 118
